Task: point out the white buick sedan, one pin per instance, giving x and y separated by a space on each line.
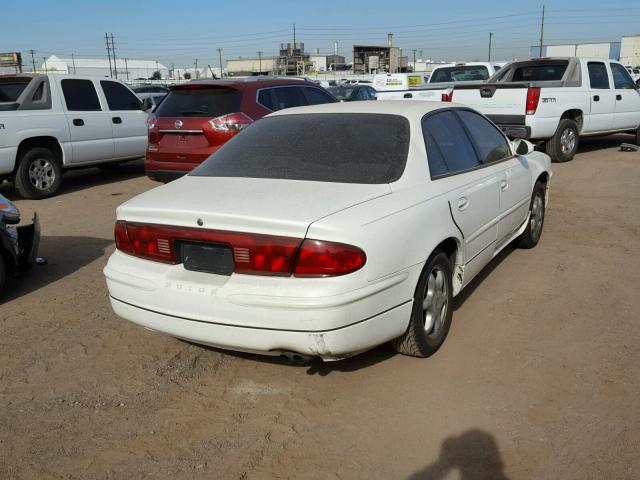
327 230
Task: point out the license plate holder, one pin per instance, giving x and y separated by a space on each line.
206 258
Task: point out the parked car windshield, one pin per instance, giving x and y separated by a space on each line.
12 87
341 148
201 102
460 74
540 73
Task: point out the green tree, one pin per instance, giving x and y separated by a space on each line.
187 76
156 75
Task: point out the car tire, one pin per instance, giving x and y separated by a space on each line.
638 136
3 274
38 174
432 310
563 146
535 221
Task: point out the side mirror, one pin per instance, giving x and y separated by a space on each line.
522 146
147 104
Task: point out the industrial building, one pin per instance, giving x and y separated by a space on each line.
328 63
627 51
369 59
122 68
247 66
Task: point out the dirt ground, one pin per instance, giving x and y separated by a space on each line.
538 379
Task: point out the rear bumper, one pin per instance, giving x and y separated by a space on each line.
165 176
327 344
516 131
268 315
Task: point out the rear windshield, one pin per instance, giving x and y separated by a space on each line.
465 73
341 148
201 102
540 73
12 87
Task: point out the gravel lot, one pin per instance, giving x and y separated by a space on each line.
538 378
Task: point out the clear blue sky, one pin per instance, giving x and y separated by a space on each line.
178 32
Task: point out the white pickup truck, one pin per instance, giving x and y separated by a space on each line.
557 100
435 87
53 122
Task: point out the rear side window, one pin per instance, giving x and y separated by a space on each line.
460 74
540 73
80 95
317 96
621 78
12 87
449 149
488 140
266 99
119 97
288 97
598 76
200 102
341 148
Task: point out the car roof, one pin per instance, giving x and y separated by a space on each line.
241 83
409 109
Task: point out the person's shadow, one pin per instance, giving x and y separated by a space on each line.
473 453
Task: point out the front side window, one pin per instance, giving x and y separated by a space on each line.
119 97
598 76
288 97
323 147
489 141
621 78
80 95
449 149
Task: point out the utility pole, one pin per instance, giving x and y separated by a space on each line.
173 67
259 63
45 64
158 68
421 55
73 62
106 39
126 67
33 60
490 36
220 57
541 31
414 59
113 52
196 67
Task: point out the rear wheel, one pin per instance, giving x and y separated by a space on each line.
39 174
531 235
563 145
431 314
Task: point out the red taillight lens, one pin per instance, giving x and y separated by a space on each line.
318 258
122 238
152 128
447 95
153 242
533 98
233 122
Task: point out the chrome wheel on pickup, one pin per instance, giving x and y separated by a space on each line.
38 174
563 145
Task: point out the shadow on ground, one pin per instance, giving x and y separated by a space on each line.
84 178
64 255
474 454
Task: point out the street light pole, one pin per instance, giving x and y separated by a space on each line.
220 56
259 63
490 35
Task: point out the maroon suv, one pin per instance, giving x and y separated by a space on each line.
197 118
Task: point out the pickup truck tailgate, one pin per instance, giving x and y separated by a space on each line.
501 103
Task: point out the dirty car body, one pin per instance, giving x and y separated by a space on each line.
18 244
314 247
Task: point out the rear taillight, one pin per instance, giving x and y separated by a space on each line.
152 128
318 258
533 98
447 95
233 122
253 254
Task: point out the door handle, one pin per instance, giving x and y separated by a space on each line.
596 98
407 95
116 119
78 122
618 97
463 203
504 185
